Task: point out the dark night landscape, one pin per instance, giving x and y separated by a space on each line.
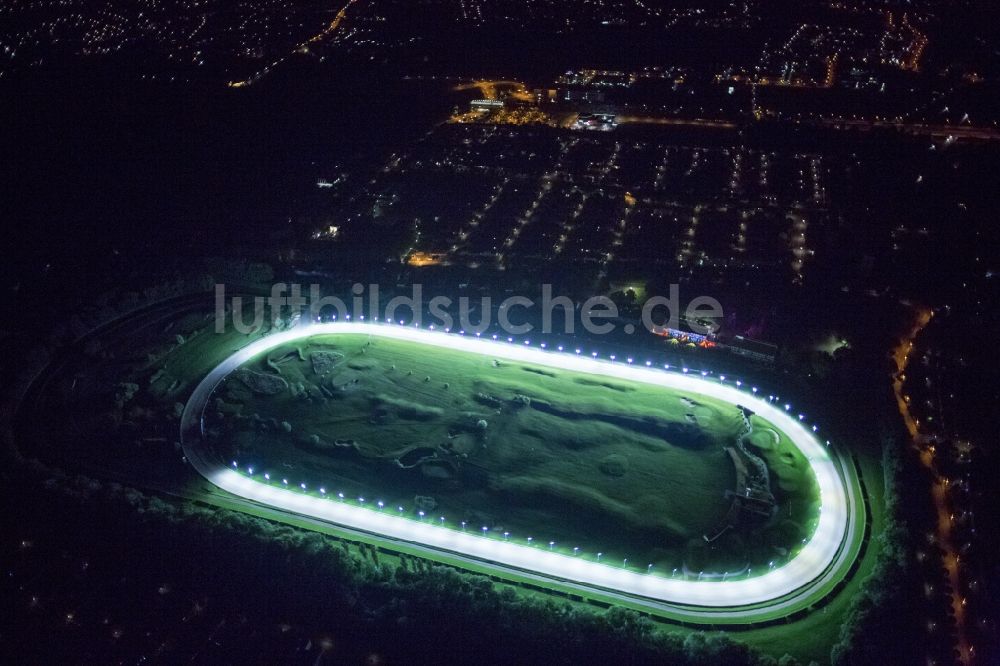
489 332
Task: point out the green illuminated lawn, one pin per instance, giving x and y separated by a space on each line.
625 469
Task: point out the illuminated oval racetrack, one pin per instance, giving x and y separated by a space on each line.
814 558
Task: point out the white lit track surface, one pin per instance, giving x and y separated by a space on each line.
804 570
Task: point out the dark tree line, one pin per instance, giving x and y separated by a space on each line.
888 616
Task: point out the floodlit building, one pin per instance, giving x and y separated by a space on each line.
755 350
486 104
